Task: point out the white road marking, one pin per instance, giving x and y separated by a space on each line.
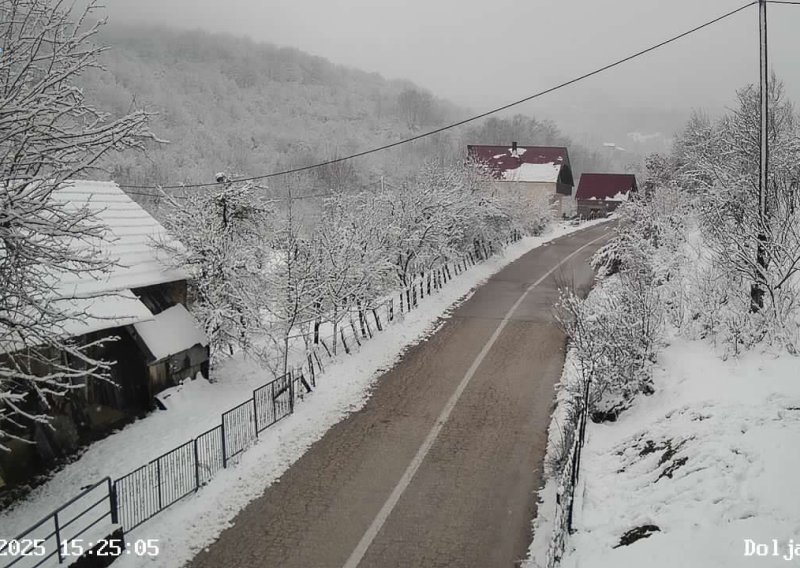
411 470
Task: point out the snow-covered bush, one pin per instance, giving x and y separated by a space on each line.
614 333
616 330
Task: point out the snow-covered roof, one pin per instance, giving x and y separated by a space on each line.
172 331
102 312
94 301
525 163
128 241
534 172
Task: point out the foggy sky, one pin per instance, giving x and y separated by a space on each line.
486 53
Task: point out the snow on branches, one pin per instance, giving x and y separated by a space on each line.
269 279
48 134
757 255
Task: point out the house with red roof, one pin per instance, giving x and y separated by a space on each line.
535 171
600 194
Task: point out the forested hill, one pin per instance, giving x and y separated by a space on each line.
230 104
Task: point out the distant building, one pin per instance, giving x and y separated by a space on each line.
141 301
532 170
600 194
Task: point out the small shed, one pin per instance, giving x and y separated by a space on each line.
174 347
601 194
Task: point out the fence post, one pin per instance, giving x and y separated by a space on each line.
311 373
58 539
274 399
291 390
158 476
222 433
355 333
255 414
112 502
196 466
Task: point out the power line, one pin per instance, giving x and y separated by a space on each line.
473 118
157 196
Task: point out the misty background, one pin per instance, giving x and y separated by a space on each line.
472 56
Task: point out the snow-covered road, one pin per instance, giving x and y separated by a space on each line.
197 520
468 499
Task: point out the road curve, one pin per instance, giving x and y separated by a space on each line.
468 500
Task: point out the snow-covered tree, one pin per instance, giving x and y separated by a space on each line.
221 235
759 253
351 245
292 285
48 134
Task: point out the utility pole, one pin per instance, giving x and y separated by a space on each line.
757 290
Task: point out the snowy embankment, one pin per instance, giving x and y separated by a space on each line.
343 388
710 459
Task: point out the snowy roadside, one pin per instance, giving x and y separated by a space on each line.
546 509
710 459
198 404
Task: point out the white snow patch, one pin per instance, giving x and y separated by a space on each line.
534 173
736 424
619 196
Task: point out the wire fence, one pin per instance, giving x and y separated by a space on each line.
565 491
111 507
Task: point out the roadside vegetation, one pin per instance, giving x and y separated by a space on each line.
692 260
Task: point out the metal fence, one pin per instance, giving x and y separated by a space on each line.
56 538
567 483
143 493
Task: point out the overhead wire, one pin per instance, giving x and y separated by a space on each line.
470 119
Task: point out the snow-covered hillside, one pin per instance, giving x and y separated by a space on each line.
710 459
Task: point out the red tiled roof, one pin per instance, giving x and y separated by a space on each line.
605 186
500 158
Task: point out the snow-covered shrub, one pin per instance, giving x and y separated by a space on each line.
615 331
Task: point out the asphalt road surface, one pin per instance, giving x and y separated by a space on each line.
441 466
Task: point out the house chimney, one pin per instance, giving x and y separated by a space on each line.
514 150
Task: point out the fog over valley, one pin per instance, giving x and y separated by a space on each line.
484 54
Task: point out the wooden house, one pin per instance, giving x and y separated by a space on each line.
137 308
601 194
